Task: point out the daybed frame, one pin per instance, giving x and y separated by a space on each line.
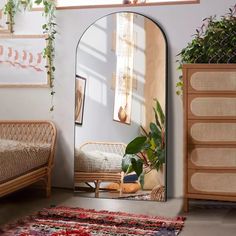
98 177
29 131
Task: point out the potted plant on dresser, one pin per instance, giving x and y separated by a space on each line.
146 155
208 86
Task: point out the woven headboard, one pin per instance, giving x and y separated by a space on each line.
28 131
111 147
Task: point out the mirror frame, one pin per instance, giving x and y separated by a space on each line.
166 85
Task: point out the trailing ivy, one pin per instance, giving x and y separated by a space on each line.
49 29
10 11
213 42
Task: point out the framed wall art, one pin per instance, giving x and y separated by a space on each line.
80 88
21 61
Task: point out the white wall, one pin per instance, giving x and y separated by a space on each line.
179 23
96 61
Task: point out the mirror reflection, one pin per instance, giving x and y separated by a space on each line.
120 109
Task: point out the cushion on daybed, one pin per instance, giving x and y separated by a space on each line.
97 161
17 158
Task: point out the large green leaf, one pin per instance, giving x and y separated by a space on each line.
160 112
38 2
155 134
161 154
153 144
136 145
156 118
137 165
151 155
146 145
157 139
154 128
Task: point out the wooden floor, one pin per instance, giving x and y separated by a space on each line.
213 219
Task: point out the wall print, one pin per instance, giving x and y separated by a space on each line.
22 62
4 28
80 87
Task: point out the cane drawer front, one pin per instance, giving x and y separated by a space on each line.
220 182
222 81
213 157
211 132
211 106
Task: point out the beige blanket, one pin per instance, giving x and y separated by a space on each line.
17 158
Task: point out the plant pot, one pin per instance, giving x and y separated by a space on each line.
154 178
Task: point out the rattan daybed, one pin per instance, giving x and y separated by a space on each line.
99 162
26 154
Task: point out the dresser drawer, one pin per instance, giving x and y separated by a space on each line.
209 96
212 157
219 107
212 81
211 132
212 182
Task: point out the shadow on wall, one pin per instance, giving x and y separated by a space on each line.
97 62
63 163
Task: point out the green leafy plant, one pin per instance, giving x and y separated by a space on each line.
213 42
10 10
49 29
147 151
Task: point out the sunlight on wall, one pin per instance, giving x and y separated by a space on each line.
138 109
139 50
98 61
94 52
139 71
98 50
87 72
97 91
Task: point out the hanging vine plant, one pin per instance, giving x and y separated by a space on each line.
49 29
10 11
213 42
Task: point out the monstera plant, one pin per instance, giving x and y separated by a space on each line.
147 151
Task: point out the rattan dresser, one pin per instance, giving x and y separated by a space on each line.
209 132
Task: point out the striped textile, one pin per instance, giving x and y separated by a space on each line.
86 222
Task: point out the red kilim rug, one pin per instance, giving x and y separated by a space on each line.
84 222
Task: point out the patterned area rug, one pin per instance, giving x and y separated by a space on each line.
85 222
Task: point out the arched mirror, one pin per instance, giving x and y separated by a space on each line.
120 109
